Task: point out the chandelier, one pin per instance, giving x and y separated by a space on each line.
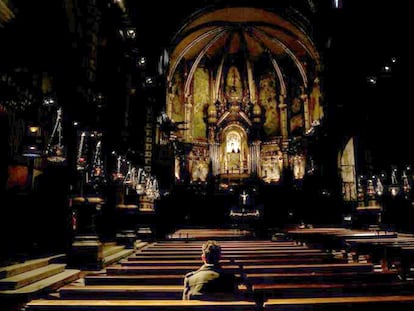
55 151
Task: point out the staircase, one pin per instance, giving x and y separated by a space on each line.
88 253
33 278
113 253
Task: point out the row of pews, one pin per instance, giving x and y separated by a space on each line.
274 275
387 250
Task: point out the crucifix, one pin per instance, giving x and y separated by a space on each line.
244 197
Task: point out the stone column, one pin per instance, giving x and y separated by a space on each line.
305 98
283 116
285 149
255 157
188 135
87 249
215 158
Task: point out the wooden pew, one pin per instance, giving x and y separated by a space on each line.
233 254
383 250
262 292
147 305
313 277
167 279
143 279
157 263
366 234
302 254
127 292
403 257
248 261
296 260
318 237
334 238
121 292
160 270
225 244
401 302
310 268
182 270
223 249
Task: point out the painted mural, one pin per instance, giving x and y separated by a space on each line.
267 99
234 88
296 117
176 98
271 163
198 164
201 100
315 104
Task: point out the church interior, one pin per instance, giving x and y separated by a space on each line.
132 131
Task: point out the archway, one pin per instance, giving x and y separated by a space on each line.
234 151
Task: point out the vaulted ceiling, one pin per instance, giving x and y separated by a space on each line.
250 31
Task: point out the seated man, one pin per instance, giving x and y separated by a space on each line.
210 281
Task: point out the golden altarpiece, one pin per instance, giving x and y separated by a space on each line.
246 85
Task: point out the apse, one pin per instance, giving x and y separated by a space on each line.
246 82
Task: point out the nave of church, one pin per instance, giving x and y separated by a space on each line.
126 125
312 268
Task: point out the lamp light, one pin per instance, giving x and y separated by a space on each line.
31 151
32 142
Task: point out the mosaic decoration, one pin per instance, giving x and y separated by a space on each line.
267 99
201 99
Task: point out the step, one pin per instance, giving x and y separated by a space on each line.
112 249
80 238
105 305
175 279
9 271
26 278
161 270
48 284
121 292
140 244
124 292
118 256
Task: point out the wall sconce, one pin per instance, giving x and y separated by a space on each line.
372 80
128 33
31 151
142 62
394 190
32 142
149 81
33 131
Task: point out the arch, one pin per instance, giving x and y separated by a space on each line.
234 150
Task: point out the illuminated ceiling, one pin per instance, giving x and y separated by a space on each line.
248 30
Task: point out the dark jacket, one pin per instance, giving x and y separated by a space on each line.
208 282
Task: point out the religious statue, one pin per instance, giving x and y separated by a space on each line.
244 197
